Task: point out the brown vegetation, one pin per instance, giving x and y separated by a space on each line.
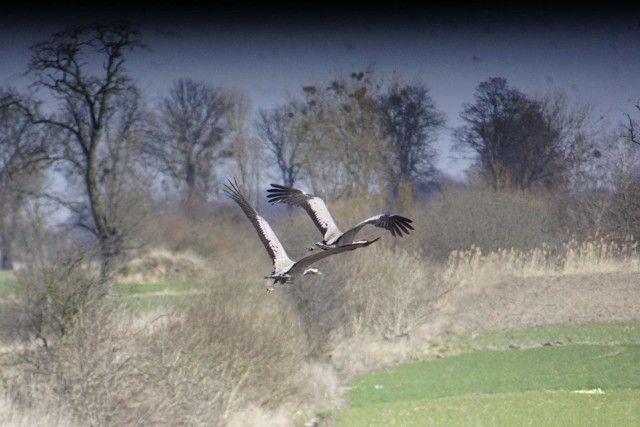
234 355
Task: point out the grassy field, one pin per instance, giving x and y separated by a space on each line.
551 385
595 333
541 408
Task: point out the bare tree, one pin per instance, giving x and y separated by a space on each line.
246 148
23 156
280 132
630 130
521 141
343 126
624 215
624 172
187 136
411 122
83 68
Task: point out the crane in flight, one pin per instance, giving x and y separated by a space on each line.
321 217
285 270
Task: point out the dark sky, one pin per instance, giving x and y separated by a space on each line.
593 57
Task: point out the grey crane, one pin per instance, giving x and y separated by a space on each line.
285 270
321 217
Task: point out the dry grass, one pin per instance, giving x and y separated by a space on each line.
578 282
45 413
389 293
595 255
161 265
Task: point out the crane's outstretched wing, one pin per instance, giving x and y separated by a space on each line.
315 206
396 224
269 239
305 262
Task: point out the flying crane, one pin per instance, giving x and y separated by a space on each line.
285 270
321 217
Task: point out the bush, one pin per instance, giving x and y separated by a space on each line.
225 353
389 293
490 220
194 364
322 301
364 299
88 370
53 293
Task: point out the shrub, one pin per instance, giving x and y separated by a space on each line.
322 301
88 370
228 352
389 292
54 292
490 220
218 356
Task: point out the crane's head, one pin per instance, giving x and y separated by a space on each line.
312 270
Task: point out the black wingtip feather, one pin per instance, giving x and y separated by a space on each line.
277 194
402 227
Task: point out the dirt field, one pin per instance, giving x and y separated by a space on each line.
516 302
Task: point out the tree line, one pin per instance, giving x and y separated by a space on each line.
122 158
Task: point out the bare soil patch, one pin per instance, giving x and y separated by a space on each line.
517 302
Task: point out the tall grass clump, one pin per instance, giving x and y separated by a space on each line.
591 255
160 265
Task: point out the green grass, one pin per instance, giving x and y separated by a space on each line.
546 368
534 386
8 286
163 294
597 333
147 288
539 408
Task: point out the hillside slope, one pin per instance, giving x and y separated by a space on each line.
517 302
